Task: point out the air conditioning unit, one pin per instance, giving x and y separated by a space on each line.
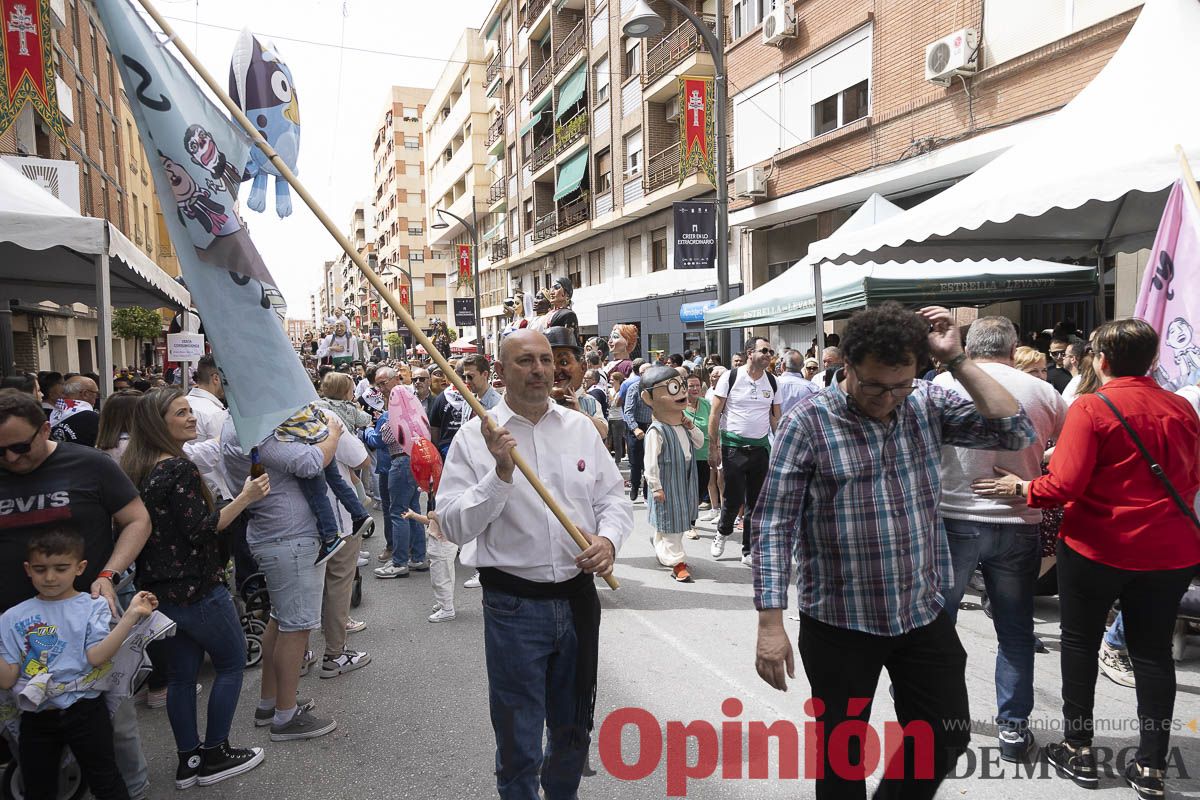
750 183
672 108
956 54
780 24
59 178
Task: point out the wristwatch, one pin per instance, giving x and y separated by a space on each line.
108 573
954 362
1020 490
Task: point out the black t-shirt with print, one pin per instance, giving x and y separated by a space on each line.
75 486
446 418
78 428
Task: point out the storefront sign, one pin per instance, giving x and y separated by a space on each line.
694 312
695 235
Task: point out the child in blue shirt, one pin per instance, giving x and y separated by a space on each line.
65 633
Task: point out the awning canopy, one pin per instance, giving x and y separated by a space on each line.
572 90
570 174
1086 185
463 346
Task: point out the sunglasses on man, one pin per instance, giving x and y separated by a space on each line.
20 448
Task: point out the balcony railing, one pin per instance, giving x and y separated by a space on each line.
495 130
545 226
494 67
533 11
662 169
574 213
541 79
498 250
542 154
569 132
572 43
674 48
497 192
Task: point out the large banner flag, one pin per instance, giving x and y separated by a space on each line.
697 127
1169 300
27 64
192 145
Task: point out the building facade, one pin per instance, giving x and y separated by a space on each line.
841 108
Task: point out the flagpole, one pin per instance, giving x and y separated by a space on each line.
1193 190
401 312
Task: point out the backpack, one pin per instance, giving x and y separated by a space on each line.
733 376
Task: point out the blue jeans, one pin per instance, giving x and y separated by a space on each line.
1115 635
1010 556
408 536
318 501
210 625
531 650
385 503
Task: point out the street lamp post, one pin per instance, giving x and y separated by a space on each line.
645 23
473 229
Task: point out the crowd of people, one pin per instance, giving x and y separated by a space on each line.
887 470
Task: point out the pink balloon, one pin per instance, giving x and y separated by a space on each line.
406 416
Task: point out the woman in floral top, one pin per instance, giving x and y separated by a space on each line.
183 563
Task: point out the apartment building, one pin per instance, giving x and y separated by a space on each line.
359 301
404 259
99 171
837 106
456 179
584 136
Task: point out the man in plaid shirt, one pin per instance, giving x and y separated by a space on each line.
853 491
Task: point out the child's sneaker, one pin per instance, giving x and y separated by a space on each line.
221 762
328 549
442 615
188 770
363 525
680 573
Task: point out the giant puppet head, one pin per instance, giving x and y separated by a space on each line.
666 394
261 84
622 341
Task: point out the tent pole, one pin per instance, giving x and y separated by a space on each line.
1101 298
819 310
104 323
8 364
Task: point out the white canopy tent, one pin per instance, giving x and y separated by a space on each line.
1091 183
48 252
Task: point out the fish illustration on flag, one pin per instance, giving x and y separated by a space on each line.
196 154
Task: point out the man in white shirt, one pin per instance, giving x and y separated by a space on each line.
206 399
793 386
1001 534
742 419
541 674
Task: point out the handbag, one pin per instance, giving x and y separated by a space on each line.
1155 467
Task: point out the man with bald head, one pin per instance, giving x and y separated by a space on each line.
74 418
541 673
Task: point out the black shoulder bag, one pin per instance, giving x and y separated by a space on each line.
1155 467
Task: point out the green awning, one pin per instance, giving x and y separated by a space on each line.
570 174
535 113
572 90
491 30
528 126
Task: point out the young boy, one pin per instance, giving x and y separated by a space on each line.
671 444
441 553
66 633
310 426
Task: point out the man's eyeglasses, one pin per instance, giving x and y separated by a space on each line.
1057 354
766 351
419 379
899 390
19 449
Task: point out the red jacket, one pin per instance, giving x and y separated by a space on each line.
1117 512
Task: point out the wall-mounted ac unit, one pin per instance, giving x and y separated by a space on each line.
671 108
780 24
750 183
956 54
59 178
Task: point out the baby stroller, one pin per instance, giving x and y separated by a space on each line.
253 606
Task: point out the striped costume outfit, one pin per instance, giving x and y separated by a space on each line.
676 476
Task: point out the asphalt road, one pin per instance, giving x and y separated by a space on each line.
414 722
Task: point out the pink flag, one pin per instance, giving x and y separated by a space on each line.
1169 299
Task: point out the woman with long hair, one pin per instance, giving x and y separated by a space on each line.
183 563
116 418
698 410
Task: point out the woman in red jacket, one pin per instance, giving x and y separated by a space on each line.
1122 536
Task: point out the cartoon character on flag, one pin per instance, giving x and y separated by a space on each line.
1165 300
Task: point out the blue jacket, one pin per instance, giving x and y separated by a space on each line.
373 440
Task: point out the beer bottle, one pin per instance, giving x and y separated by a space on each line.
256 467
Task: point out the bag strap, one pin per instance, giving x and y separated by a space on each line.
1155 467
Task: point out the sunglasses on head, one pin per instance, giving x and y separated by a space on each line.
19 449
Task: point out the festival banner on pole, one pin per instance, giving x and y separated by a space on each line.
695 234
1168 299
404 296
191 142
26 57
464 262
697 127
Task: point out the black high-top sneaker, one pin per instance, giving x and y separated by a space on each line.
188 769
221 762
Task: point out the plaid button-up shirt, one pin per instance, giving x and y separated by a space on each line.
856 501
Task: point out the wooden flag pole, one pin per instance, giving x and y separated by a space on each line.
1189 179
379 286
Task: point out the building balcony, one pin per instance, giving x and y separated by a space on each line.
572 44
569 132
675 54
545 226
497 192
575 212
495 130
498 250
662 169
534 10
493 69
540 80
543 154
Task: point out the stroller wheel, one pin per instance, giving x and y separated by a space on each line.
356 591
70 781
254 626
254 650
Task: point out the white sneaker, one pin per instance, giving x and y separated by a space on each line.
718 545
391 571
1116 665
472 582
442 615
747 560
354 625
363 561
712 516
692 534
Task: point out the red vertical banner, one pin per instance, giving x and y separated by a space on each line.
374 310
28 66
404 296
464 262
697 127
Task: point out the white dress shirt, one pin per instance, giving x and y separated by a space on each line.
205 449
506 525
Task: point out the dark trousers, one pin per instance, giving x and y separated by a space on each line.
636 449
86 728
927 667
745 470
616 438
1149 602
702 472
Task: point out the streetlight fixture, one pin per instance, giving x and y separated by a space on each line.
645 23
472 229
